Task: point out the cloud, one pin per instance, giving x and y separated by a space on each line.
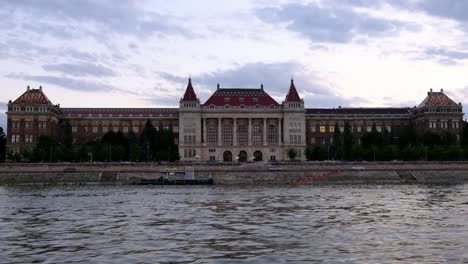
445 56
80 69
96 18
451 9
66 83
276 79
332 23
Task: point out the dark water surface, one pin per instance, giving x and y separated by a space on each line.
192 224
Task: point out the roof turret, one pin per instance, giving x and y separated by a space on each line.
189 94
292 95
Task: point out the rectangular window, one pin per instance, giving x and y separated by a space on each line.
95 129
312 141
254 100
115 129
227 99
29 139
312 128
359 129
389 128
175 129
332 129
105 129
322 129
241 100
125 129
15 139
74 129
379 128
273 158
135 129
369 128
342 129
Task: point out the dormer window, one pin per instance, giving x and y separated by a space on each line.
211 106
227 99
226 107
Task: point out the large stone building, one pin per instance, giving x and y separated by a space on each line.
234 124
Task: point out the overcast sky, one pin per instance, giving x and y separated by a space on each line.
106 53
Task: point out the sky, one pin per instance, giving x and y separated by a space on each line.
350 53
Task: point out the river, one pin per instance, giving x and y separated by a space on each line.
234 224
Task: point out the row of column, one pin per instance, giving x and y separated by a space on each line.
234 141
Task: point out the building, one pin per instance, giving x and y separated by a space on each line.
233 124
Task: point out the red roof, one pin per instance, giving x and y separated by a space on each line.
292 95
189 94
33 96
240 96
120 111
437 98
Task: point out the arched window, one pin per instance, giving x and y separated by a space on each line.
242 134
272 134
227 134
257 134
212 133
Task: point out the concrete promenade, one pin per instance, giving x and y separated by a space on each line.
236 173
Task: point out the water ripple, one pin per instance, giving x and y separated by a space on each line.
301 224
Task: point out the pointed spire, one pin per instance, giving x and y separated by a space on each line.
189 94
292 93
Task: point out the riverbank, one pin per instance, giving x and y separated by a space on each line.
237 173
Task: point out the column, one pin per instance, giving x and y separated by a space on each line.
204 129
280 130
234 133
250 132
219 131
264 131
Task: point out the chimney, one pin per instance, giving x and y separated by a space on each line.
442 90
40 88
217 86
339 107
28 88
261 86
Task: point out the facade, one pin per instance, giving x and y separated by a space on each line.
233 124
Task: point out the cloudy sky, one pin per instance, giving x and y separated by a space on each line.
106 53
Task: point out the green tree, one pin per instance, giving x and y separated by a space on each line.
45 149
348 141
336 149
373 138
292 154
3 140
116 145
148 140
431 139
465 135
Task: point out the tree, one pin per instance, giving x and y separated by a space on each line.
116 145
465 134
148 141
45 149
431 139
3 140
292 154
348 141
337 146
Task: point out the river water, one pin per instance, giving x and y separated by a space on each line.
215 224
